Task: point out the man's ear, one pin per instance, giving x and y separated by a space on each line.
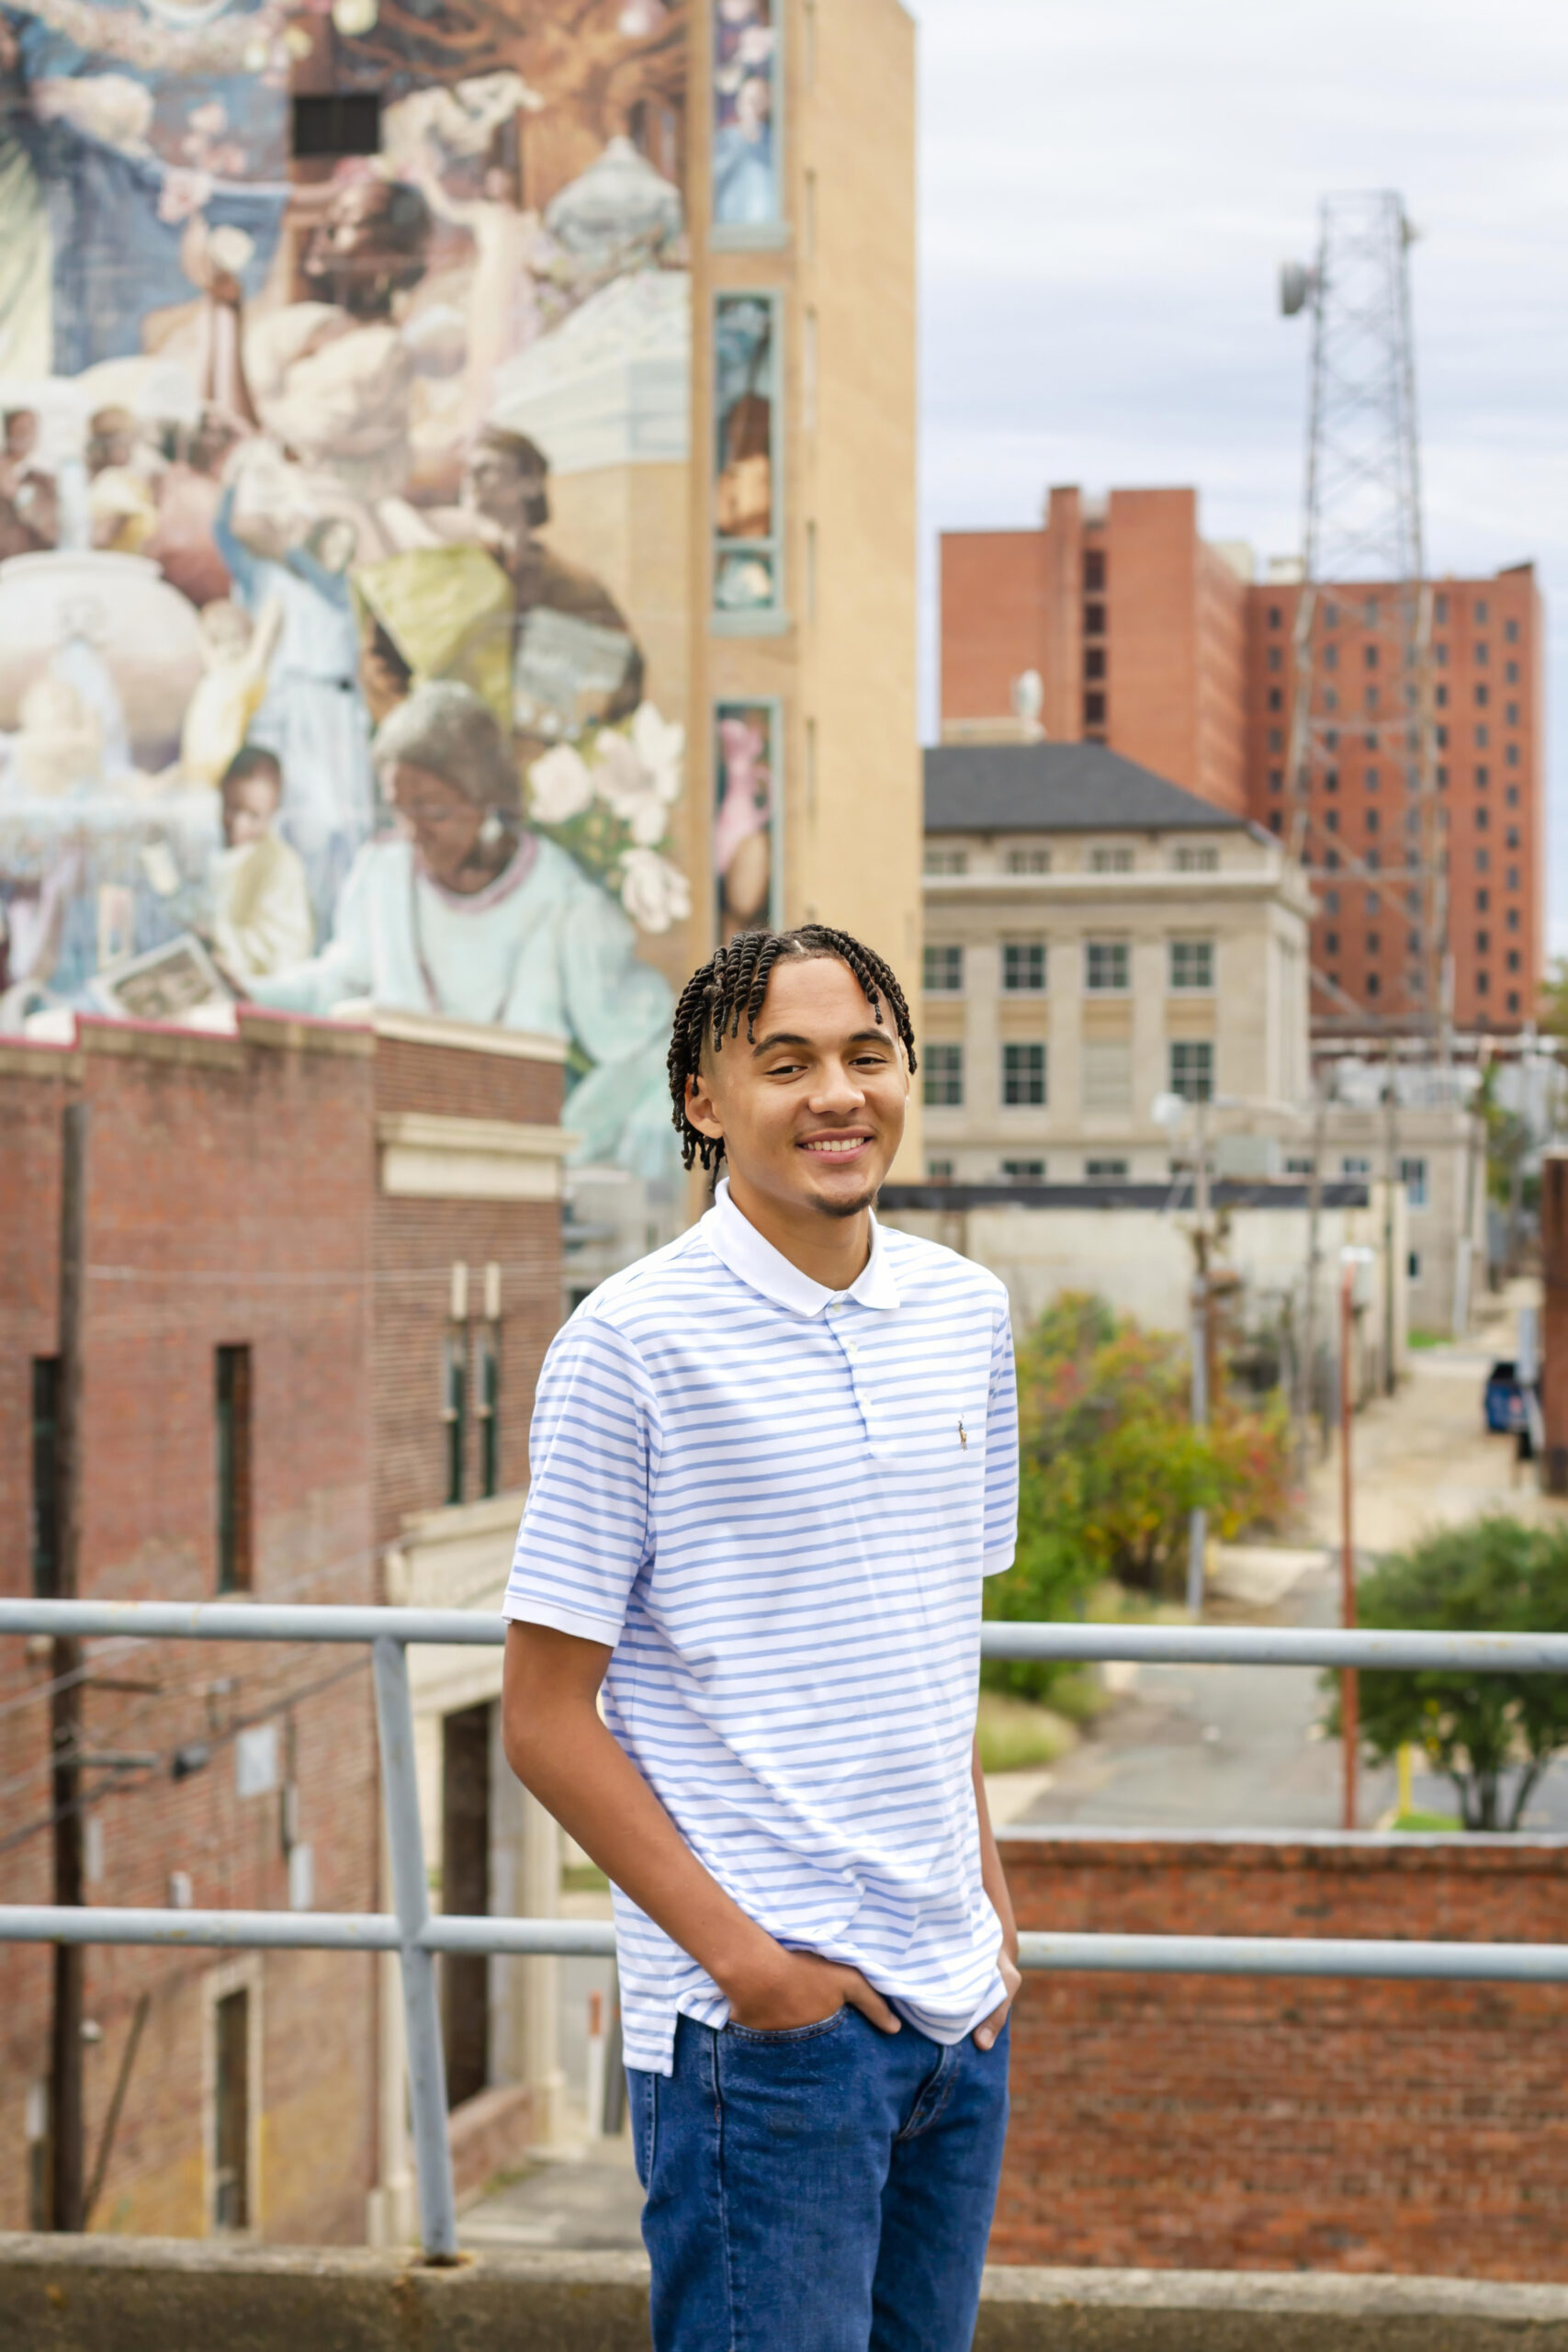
700 1108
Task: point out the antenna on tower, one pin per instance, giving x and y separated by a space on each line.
1363 569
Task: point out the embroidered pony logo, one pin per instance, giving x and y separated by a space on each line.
963 1441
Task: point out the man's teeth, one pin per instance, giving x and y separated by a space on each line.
842 1143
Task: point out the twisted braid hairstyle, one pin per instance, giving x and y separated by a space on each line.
732 985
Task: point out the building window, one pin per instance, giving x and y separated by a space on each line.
1024 1076
1412 1176
1413 1265
1193 1068
747 520
938 1171
1107 964
1094 572
455 1407
1276 617
337 123
1276 821
1276 779
1513 959
746 196
232 1387
44 1523
1482 983
490 1408
1024 965
1511 878
1482 697
1511 632
1276 738
1111 860
943 973
1482 778
1276 659
1193 964
942 1071
1108 1075
1094 620
1276 698
946 861
1482 651
1331 780
1105 1171
1024 1172
1094 710
1513 999
1094 661
1198 860
1483 818
1373 942
231 2111
1297 1166
1028 860
1331 819
1374 985
1481 738
1331 943
1331 902
1372 821
1482 861
1441 612
1356 1167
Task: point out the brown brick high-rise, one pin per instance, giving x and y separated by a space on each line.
1148 637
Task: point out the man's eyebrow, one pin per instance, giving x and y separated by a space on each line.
784 1038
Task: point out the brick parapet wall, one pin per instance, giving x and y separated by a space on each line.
1269 2123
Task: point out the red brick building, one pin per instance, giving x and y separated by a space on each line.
322 1264
1148 637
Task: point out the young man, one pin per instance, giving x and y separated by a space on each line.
771 1464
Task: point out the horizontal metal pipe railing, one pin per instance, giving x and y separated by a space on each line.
1370 1647
416 1936
1474 1963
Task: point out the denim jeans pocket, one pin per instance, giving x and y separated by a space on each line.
787 2033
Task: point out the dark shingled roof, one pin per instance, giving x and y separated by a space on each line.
1057 789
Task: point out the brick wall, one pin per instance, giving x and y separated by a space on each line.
228 1201
1268 2123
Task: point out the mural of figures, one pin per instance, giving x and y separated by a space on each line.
745 849
306 695
745 162
746 557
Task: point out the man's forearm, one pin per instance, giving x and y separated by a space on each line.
561 1750
991 1871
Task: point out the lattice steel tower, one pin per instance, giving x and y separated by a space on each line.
1361 709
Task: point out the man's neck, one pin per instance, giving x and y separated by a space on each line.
832 1250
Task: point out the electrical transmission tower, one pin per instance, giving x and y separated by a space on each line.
1361 709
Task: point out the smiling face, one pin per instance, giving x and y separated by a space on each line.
812 1113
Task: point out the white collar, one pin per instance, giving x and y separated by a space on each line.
735 1240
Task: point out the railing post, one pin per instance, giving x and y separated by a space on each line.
421 2018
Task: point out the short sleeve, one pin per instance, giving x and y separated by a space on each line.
592 1450
1001 1452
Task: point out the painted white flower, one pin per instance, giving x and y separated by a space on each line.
653 892
629 788
661 747
559 786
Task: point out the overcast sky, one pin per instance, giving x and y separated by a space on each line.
1107 190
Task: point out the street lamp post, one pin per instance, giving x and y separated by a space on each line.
1350 1689
1198 1518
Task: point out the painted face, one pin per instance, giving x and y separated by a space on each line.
443 825
497 487
21 432
811 1113
249 808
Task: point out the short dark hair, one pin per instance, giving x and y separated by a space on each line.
734 981
251 759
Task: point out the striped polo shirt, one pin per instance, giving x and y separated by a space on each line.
776 1503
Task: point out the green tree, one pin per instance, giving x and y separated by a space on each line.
1111 1467
1495 1576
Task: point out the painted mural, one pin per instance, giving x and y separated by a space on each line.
745 842
745 142
304 696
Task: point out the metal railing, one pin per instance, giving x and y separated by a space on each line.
417 1936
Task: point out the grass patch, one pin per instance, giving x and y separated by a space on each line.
1426 1339
1429 1821
583 1878
1016 1735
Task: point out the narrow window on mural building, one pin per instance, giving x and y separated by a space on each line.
747 197
231 2112
746 801
44 1528
232 1409
747 522
455 1408
488 1401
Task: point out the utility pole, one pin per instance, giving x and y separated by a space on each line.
1314 1259
1350 1689
68 2179
1363 553
1198 1520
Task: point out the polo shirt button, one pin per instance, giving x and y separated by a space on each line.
851 1349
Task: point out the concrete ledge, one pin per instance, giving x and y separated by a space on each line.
104 2294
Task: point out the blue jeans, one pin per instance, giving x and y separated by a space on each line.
825 2189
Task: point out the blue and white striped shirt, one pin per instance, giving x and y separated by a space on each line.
776 1502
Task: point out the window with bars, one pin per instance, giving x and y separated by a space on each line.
1192 965
942 1067
1028 860
1107 967
231 1399
1024 1076
1193 1068
1023 966
943 973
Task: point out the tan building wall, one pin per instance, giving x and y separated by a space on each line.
1251 908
